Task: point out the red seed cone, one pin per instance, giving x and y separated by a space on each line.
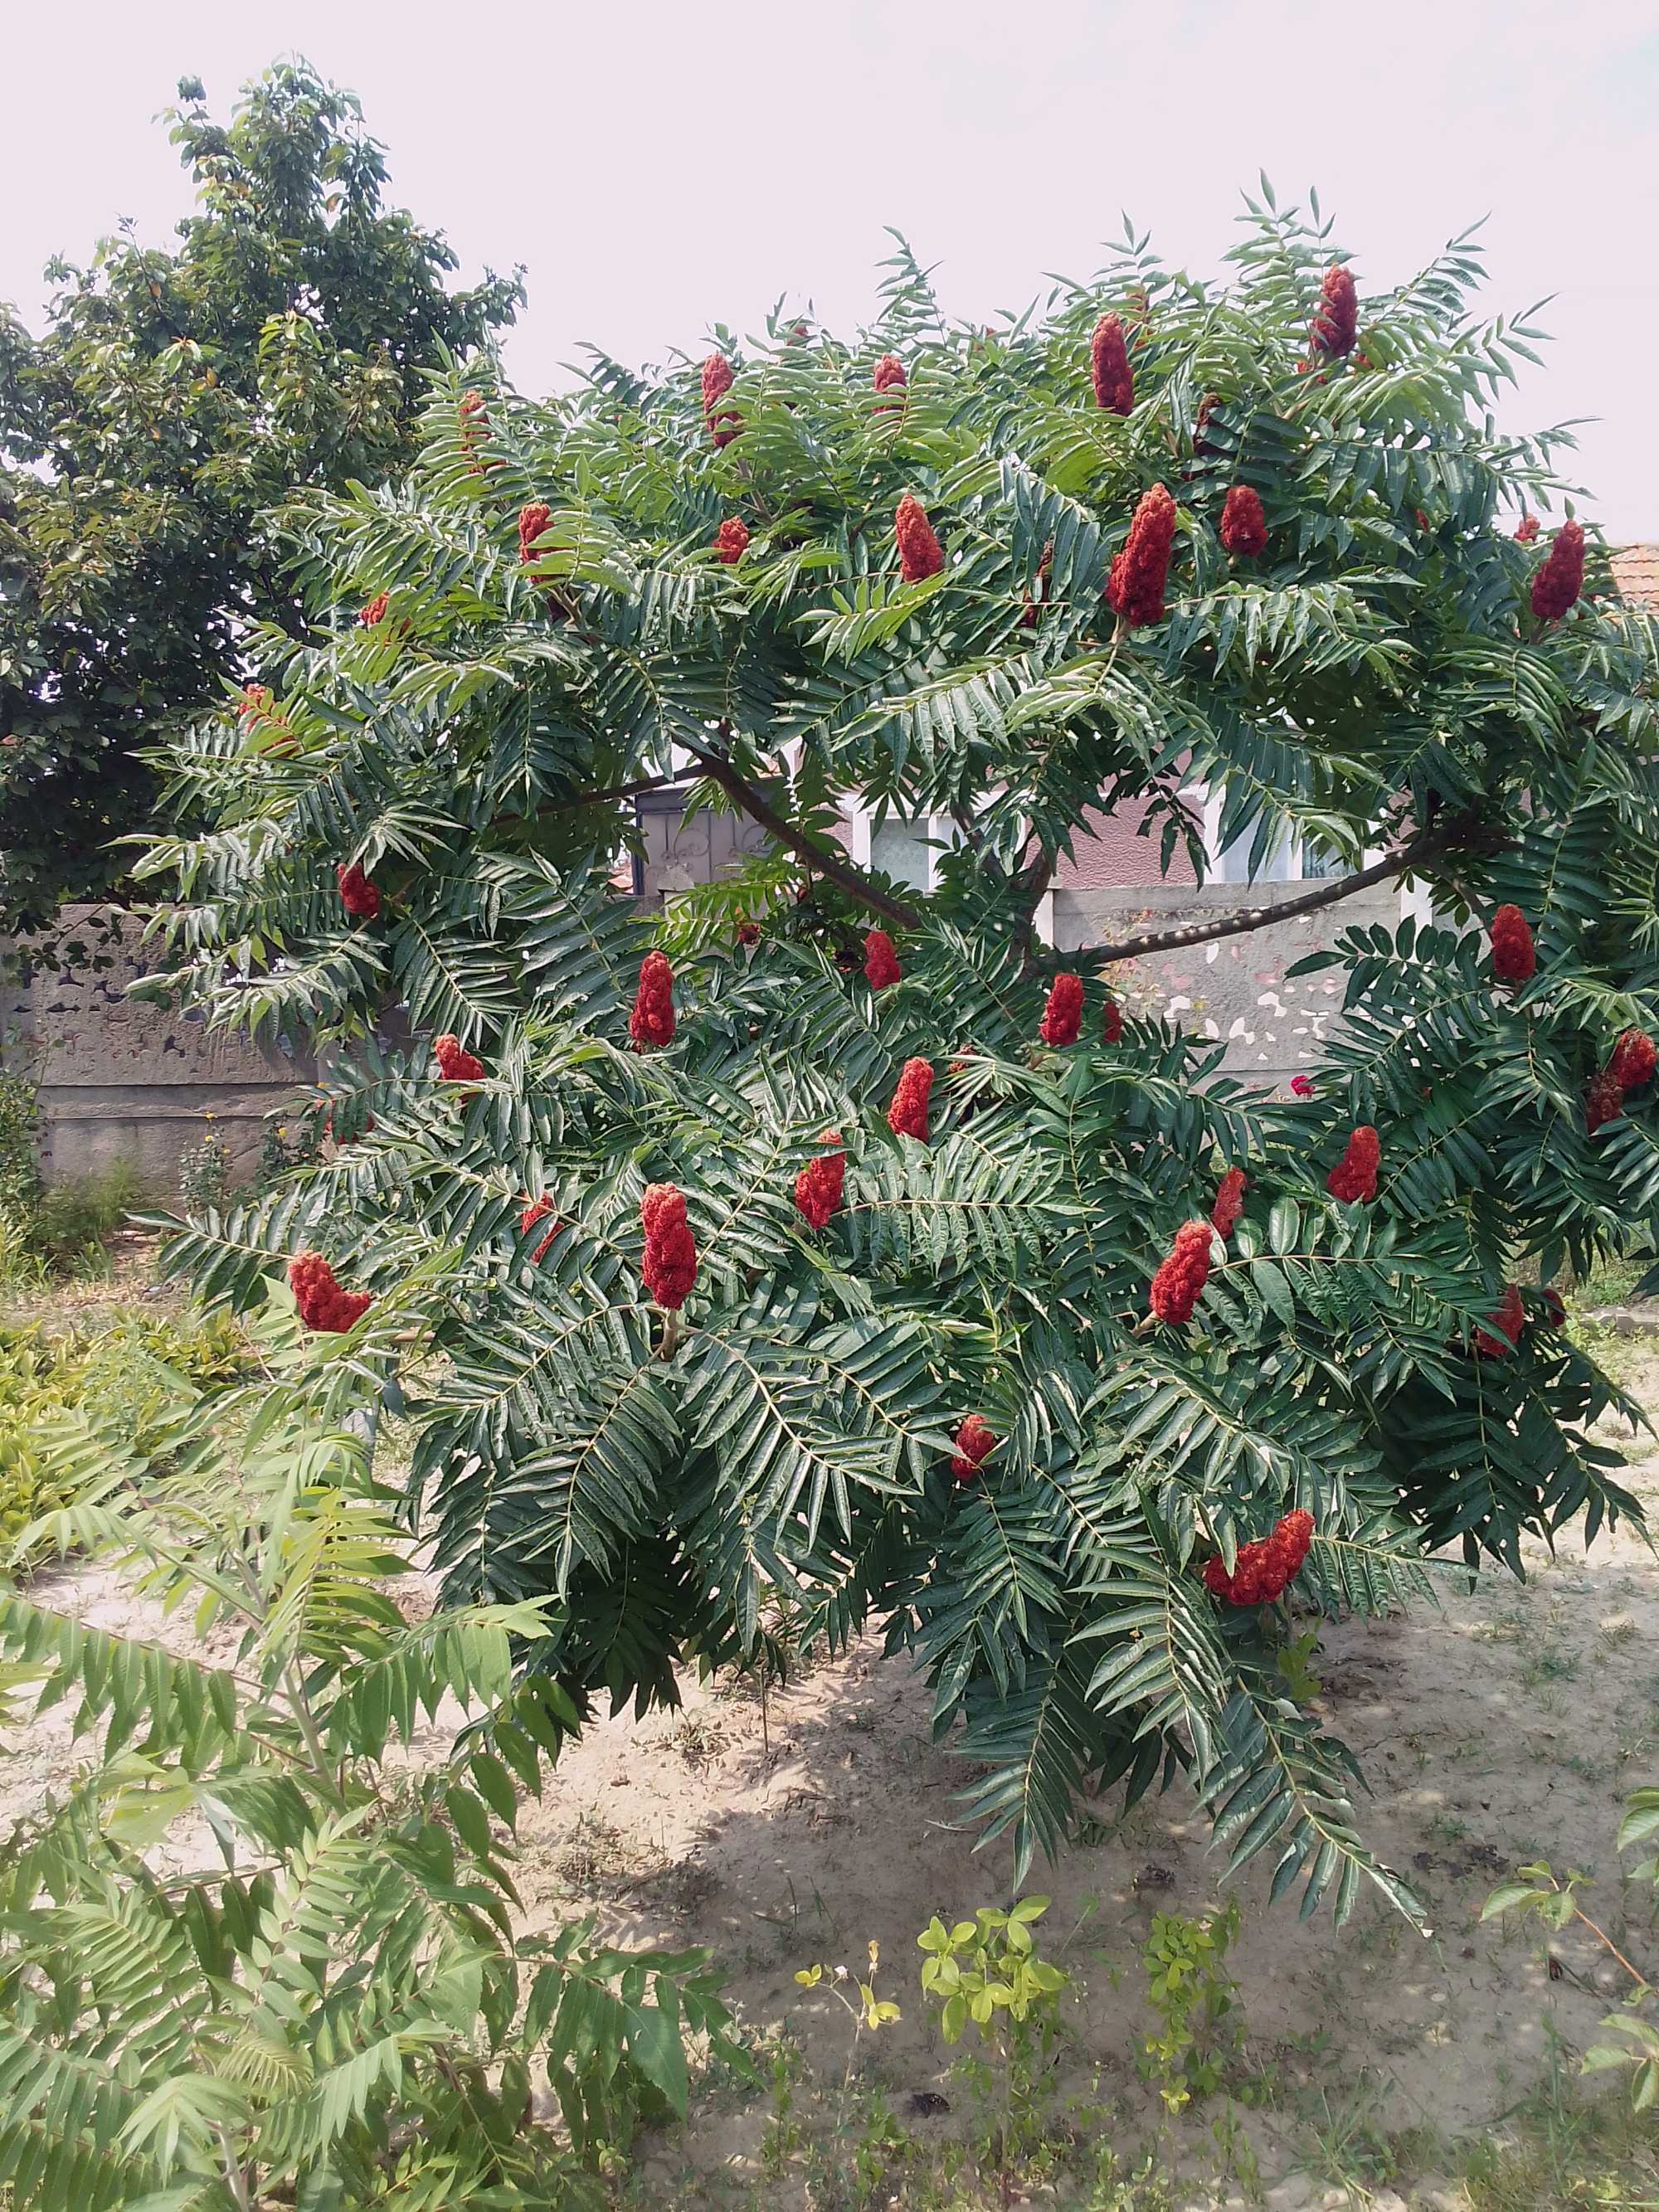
455 1063
1229 1202
717 381
1108 367
908 1114
919 555
1514 958
1354 1175
1560 575
1135 588
1263 1572
974 1441
1632 1060
1180 1278
669 1268
749 932
533 519
1337 319
1111 1027
818 1185
889 375
1243 524
652 1021
323 1305
1503 1330
535 1210
1526 530
1604 1101
360 897
1062 1018
732 540
374 611
881 965
1302 1086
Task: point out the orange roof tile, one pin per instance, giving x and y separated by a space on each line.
1636 572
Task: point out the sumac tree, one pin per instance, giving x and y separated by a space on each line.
555 611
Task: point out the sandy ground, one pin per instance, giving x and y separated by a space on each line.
1509 1725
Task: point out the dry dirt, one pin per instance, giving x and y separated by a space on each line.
1510 1724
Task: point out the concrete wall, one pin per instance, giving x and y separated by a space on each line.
121 1080
1235 988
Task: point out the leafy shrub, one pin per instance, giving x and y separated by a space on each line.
203 1174
71 1219
20 1114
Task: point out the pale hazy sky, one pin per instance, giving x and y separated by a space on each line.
660 166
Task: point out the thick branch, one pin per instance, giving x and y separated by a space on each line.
830 862
1427 845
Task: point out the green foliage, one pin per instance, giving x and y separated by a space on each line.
1196 2003
787 1437
19 1120
986 1971
174 395
71 1220
328 1995
203 1174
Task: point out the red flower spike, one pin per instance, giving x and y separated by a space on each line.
908 1114
1526 530
1503 1330
455 1063
818 1185
717 381
1108 367
890 374
1354 1175
1178 1283
920 556
881 965
652 1021
1560 575
1111 1027
1632 1060
533 519
1062 1018
535 1210
669 1268
360 897
1244 525
1229 1202
749 932
1135 588
732 540
1555 1308
1337 319
1604 1101
975 1441
1263 1572
1302 1086
374 612
1514 959
323 1305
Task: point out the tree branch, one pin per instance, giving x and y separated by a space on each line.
830 862
1427 845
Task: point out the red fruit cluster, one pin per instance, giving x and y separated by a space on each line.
1526 530
818 1185
652 1021
256 701
1503 1330
1229 1202
890 374
1630 1063
918 548
374 611
1560 575
1603 1100
535 1210
533 519
1062 1017
1514 959
732 540
1302 1086
455 1063
1135 588
1178 1282
670 1266
974 1441
360 897
881 965
908 1114
1263 1572
1337 319
1108 367
1111 1027
749 932
1354 1175
323 1305
1243 524
717 381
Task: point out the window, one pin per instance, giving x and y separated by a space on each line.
1290 858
